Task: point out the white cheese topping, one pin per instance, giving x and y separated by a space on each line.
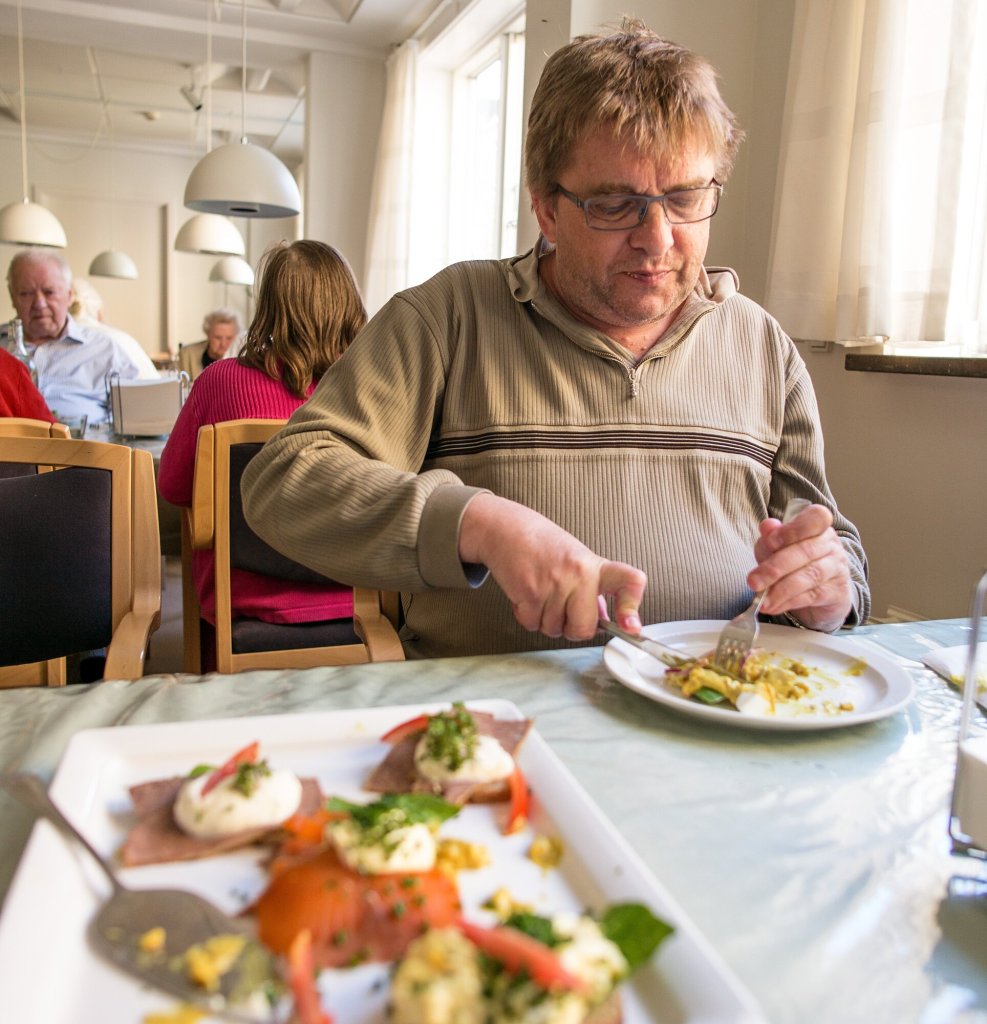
589 954
224 810
410 848
490 763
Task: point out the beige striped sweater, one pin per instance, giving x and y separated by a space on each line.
480 379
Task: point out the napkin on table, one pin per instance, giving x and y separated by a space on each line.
950 663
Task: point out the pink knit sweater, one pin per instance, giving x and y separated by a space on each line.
228 391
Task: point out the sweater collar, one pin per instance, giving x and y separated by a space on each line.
715 286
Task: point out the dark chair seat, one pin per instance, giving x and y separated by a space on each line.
252 635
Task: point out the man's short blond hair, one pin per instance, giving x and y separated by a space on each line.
656 95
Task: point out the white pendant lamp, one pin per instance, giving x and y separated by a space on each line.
24 222
241 179
27 223
232 270
113 263
211 234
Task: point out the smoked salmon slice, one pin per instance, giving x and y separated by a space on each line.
352 918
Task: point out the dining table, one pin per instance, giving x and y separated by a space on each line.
817 864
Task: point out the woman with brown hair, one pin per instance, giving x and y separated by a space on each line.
308 311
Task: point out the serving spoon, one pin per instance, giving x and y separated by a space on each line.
120 931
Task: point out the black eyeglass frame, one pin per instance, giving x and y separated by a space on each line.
584 205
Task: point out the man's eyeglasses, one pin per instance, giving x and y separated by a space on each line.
622 212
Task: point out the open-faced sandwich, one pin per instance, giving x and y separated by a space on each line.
462 755
214 809
537 970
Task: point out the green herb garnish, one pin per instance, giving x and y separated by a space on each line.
534 925
248 776
634 930
450 737
394 811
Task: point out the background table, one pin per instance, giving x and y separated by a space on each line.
817 865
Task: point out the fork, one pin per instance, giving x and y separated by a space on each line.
741 631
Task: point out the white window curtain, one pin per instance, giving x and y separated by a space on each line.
389 226
881 209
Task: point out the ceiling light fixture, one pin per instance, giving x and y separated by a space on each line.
210 233
113 263
241 179
27 223
195 102
232 270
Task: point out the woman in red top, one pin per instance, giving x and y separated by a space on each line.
18 395
308 311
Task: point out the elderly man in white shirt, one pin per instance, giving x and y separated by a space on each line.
73 360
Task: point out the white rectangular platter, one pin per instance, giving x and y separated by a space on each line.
48 972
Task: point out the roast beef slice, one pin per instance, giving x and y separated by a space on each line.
157 839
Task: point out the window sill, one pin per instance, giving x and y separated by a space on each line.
934 366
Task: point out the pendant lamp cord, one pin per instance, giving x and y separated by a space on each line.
243 70
20 72
208 85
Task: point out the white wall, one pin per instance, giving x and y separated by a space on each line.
907 458
344 105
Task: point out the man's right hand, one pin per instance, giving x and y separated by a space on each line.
553 581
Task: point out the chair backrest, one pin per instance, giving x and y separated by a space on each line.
79 557
18 426
217 521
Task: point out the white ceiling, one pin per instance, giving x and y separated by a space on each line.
116 68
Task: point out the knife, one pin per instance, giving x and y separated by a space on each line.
670 656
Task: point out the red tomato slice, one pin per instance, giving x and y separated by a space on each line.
518 816
246 756
413 725
520 952
301 977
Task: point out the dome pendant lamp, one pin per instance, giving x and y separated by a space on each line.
24 222
232 270
210 233
113 263
241 179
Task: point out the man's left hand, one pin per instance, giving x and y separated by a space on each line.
805 570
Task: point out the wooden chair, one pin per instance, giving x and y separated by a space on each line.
80 559
17 426
216 521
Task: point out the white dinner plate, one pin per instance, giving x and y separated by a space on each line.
55 890
873 683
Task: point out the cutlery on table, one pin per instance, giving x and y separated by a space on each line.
246 992
670 656
739 634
